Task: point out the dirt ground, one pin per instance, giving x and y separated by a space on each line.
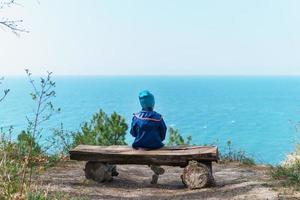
232 182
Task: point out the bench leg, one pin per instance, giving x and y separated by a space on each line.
197 175
157 171
211 181
100 172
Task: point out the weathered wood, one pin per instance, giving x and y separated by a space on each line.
173 156
196 160
196 175
100 172
211 181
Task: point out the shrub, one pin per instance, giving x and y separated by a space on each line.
175 138
10 171
23 143
102 130
19 158
230 155
289 175
46 195
61 141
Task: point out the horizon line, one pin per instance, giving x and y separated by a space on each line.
151 75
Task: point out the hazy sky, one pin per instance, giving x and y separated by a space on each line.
154 37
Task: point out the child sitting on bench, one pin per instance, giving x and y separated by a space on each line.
149 129
148 126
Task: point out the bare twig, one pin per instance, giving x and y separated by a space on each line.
12 25
44 110
31 80
8 3
6 91
9 24
5 94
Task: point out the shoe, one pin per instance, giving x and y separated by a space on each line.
154 179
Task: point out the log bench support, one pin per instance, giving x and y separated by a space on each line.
197 175
100 172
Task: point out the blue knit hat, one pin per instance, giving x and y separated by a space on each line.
146 99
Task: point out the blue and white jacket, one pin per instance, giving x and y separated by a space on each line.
149 130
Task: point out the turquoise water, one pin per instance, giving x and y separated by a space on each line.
258 114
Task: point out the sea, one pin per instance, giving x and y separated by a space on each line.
259 115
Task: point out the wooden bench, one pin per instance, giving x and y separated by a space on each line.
196 160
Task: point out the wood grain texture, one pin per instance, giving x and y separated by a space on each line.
173 156
195 175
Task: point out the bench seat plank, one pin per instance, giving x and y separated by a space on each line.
173 156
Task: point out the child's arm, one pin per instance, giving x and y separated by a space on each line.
132 130
163 130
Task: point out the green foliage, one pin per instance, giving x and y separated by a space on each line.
23 143
116 130
230 155
10 167
289 175
175 138
42 94
21 158
45 195
61 141
20 148
289 172
13 156
6 144
10 170
102 130
37 195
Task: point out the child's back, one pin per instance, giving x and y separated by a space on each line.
148 126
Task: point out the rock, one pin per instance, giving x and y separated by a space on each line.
291 159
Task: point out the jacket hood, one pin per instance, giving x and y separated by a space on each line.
148 115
